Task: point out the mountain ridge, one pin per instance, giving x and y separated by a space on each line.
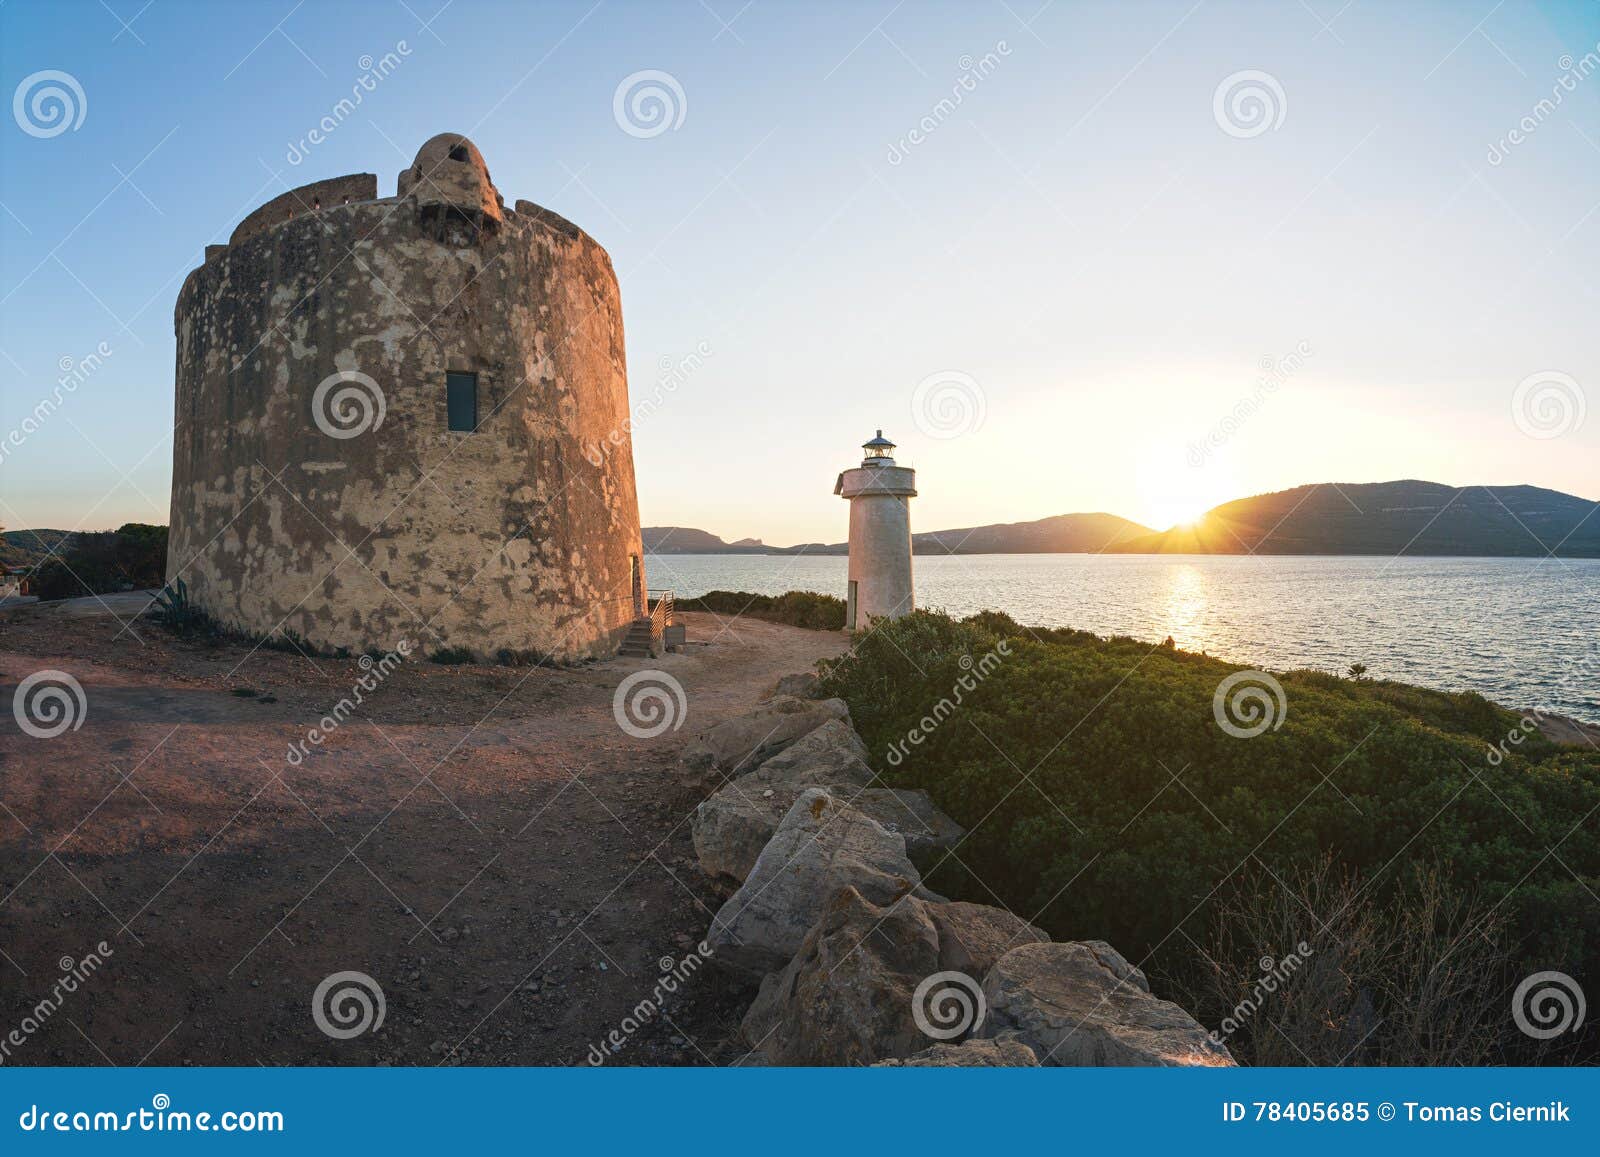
1058 534
1406 516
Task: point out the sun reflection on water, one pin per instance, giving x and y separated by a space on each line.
1187 599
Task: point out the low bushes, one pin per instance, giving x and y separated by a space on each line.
796 608
1103 799
132 557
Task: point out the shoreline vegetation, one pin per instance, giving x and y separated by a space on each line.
1414 852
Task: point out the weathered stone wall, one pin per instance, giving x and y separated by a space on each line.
506 537
307 199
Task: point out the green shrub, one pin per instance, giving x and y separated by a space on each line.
132 557
796 608
451 656
1103 801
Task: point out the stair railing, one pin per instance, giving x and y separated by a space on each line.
661 606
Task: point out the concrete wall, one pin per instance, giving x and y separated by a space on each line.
880 540
505 537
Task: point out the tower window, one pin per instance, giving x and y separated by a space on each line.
461 396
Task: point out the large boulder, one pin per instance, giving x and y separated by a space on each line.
742 743
992 1054
846 997
828 751
912 813
820 846
733 826
1082 1004
972 937
871 982
802 685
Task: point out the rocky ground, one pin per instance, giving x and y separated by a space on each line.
512 868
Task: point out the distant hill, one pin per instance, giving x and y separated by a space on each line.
686 540
1061 534
1389 518
27 547
1385 518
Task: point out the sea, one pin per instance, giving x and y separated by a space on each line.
1525 632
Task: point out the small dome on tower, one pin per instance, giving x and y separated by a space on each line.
449 170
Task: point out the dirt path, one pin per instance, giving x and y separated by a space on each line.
488 844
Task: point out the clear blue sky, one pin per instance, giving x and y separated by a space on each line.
1080 237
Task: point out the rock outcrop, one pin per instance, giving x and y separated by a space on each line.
846 997
860 963
733 826
828 751
972 937
742 743
873 982
802 685
1083 1004
820 847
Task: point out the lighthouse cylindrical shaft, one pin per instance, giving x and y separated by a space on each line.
880 581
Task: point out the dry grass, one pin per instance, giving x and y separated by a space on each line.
1416 976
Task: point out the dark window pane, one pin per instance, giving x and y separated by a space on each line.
462 395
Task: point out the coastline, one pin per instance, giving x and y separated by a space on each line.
1280 613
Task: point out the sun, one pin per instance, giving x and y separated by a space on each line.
1175 494
1179 515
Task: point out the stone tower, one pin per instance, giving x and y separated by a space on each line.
407 417
880 495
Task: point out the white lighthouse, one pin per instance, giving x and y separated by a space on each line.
880 495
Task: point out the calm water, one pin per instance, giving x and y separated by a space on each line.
1521 631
